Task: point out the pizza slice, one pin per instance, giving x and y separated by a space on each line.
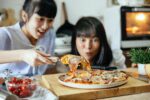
67 58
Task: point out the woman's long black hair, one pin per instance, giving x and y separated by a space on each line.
87 26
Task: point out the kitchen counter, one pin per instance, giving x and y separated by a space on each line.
141 96
133 89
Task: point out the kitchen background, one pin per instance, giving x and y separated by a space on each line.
102 9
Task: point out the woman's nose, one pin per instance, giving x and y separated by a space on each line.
46 25
89 44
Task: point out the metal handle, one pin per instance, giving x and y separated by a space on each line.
5 95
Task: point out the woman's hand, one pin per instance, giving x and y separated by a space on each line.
36 58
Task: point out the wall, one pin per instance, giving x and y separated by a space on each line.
75 9
14 4
78 8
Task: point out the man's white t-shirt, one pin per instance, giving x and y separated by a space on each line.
12 38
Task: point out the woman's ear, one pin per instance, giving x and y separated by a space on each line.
24 16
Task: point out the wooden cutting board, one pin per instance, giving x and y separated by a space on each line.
133 86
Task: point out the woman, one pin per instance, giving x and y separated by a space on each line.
90 41
22 40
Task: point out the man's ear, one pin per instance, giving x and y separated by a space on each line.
24 16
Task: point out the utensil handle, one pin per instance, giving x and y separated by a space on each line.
54 59
65 11
7 96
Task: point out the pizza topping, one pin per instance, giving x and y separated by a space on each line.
95 77
73 61
87 75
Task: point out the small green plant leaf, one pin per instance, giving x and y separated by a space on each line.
140 55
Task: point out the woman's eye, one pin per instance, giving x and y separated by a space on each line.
40 19
50 20
96 40
82 39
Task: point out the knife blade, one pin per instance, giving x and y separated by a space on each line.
135 75
144 78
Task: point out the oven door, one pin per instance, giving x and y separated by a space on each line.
135 27
135 23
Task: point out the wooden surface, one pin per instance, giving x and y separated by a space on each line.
133 86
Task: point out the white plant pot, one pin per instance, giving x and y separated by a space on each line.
141 69
144 69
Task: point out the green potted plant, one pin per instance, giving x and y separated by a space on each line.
141 57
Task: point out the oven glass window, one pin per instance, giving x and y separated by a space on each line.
137 23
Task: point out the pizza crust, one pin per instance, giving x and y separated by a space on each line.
95 78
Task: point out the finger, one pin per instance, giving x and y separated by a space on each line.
48 61
38 63
54 59
43 54
44 60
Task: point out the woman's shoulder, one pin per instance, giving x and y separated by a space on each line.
9 29
3 32
50 34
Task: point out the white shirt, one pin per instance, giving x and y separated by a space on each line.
118 59
12 38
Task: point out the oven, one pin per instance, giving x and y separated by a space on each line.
135 25
129 24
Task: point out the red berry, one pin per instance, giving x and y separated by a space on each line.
25 93
11 88
14 79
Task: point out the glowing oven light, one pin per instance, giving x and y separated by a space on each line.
140 17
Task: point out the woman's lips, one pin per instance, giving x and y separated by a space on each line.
41 33
89 53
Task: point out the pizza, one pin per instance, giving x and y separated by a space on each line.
94 77
88 77
81 60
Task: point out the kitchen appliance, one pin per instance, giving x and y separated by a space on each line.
128 26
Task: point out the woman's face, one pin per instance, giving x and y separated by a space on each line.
37 25
88 47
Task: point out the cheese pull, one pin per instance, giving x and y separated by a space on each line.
74 59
